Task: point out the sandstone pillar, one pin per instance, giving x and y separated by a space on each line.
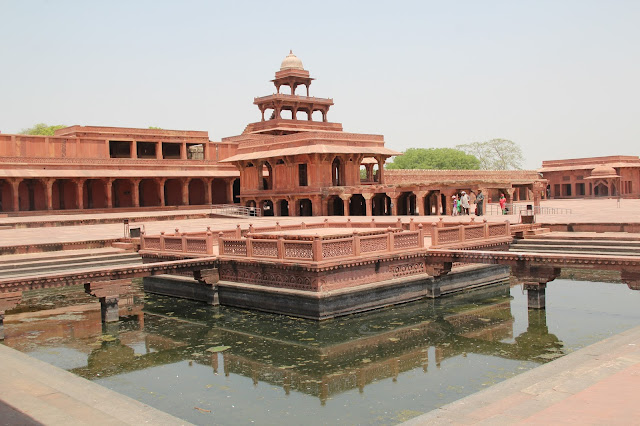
80 193
135 192
394 204
161 183
345 203
185 191
293 206
207 190
108 187
15 189
420 202
447 208
159 151
183 151
229 185
8 301
368 202
108 292
48 192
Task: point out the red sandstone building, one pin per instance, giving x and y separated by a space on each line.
293 162
613 176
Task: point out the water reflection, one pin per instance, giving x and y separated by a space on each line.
439 350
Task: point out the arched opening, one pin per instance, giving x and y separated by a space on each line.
6 196
283 208
172 193
357 205
306 207
381 205
337 172
267 176
236 190
32 195
269 114
94 194
316 116
407 203
601 190
219 191
122 193
196 192
335 206
301 90
63 194
286 114
149 193
302 114
431 203
267 208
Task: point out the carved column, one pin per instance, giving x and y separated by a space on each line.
48 192
108 187
368 203
420 202
161 183
345 203
394 204
183 151
15 188
108 292
293 206
80 193
8 301
185 191
135 192
448 201
207 190
229 185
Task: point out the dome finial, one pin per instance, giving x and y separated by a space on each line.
290 51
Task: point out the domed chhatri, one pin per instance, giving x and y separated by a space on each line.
604 171
291 62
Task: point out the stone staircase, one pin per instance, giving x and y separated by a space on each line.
50 263
579 245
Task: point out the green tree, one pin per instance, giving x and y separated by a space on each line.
42 129
154 127
434 158
496 154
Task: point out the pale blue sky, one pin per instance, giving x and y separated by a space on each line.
560 78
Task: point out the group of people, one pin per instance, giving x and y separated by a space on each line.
461 205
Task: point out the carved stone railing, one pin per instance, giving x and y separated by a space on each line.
180 242
466 235
318 248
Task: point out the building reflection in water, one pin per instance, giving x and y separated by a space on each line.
318 359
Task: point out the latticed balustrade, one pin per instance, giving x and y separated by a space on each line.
298 250
371 244
265 248
337 248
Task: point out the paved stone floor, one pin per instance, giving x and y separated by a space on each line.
33 392
582 211
596 385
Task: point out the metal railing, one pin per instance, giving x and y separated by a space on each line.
235 210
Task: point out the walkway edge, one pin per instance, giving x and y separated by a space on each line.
50 395
527 395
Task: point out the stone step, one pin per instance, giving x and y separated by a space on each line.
565 243
59 254
48 271
592 250
57 263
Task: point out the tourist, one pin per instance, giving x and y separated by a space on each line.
454 209
479 202
503 204
465 203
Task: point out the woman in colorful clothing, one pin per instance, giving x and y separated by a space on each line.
503 204
454 206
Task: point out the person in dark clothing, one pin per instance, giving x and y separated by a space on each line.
479 202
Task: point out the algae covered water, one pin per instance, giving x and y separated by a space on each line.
217 365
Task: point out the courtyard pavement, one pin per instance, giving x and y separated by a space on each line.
592 211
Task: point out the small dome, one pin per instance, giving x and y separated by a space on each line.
291 62
604 170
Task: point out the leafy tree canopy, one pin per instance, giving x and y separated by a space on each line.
496 154
154 127
42 129
434 158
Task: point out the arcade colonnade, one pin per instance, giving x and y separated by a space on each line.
405 201
29 194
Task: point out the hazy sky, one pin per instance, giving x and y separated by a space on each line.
560 78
